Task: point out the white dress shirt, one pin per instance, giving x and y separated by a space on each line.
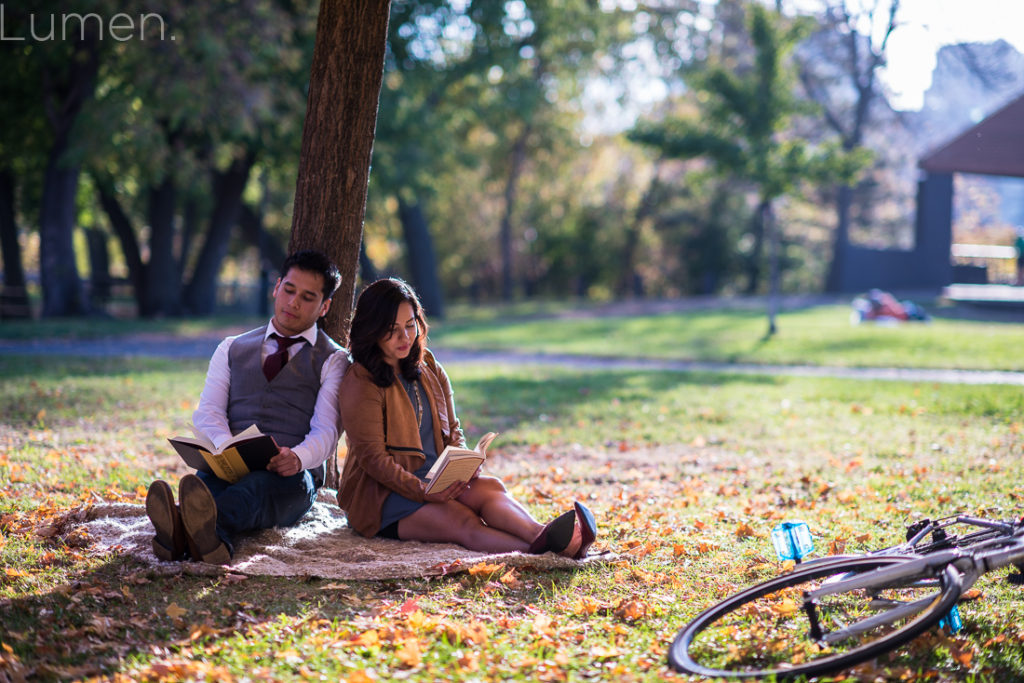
211 416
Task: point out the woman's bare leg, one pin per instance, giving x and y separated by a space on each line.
454 522
489 499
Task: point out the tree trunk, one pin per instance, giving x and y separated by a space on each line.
100 282
421 258
337 144
515 170
774 271
14 298
201 293
58 272
337 141
190 218
271 253
65 94
757 251
629 283
163 278
125 233
840 241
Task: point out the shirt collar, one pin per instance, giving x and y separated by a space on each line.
309 334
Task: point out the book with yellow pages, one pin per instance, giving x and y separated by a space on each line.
457 464
245 452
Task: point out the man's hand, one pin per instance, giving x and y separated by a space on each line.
285 463
450 493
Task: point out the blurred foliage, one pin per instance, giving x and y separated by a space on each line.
488 131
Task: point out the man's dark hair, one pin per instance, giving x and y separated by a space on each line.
314 261
372 321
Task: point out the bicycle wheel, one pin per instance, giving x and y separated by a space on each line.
767 629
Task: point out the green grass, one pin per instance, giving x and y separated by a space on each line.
100 327
819 335
686 472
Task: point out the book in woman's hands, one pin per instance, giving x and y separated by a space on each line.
245 452
457 464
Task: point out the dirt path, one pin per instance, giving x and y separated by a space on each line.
164 346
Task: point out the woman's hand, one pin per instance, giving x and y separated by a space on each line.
450 493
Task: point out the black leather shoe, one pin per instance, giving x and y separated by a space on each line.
557 535
588 529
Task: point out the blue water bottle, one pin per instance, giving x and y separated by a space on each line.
792 540
951 621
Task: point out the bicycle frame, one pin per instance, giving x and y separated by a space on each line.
987 552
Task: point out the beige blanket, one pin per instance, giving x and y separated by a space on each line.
321 545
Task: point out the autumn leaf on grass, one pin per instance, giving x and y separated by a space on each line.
602 652
485 568
365 639
586 605
468 661
334 587
202 631
971 594
360 677
175 612
744 530
846 496
631 610
409 653
784 607
409 606
542 625
510 579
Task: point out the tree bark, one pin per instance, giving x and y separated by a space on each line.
100 282
835 278
64 96
125 233
337 141
14 298
515 170
757 252
421 257
163 277
200 296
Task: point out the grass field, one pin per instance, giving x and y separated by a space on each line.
686 472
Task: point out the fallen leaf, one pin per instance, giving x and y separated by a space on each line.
175 612
485 568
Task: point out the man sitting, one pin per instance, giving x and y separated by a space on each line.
283 378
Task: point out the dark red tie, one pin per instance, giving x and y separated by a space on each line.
275 361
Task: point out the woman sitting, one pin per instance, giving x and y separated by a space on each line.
398 412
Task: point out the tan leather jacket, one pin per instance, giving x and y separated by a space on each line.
383 438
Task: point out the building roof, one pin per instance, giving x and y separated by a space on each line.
994 146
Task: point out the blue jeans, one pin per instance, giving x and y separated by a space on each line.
259 500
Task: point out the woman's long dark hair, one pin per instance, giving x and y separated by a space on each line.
376 310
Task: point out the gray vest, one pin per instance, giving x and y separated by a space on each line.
284 406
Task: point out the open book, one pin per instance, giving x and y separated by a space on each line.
246 451
457 464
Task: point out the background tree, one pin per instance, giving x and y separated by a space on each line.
745 131
188 122
845 85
